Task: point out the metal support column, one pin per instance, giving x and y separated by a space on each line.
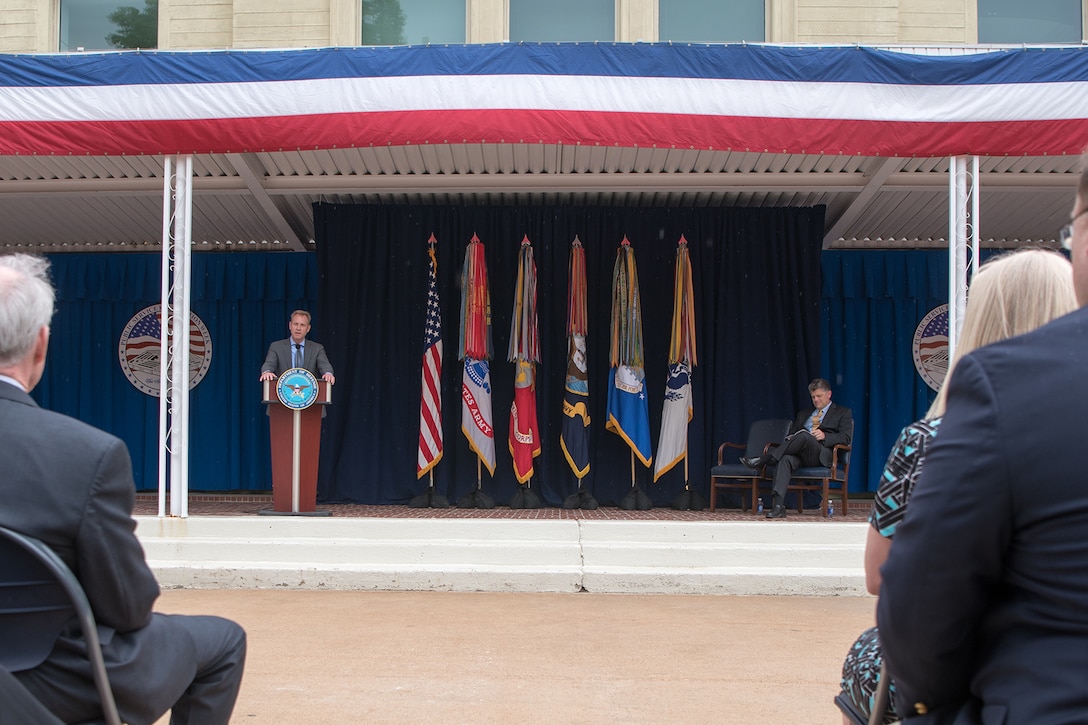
963 239
174 318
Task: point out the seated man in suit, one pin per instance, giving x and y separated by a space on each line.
813 433
70 486
297 352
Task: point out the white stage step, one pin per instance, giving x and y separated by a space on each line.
555 555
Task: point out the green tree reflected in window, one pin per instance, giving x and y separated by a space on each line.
108 24
383 22
135 28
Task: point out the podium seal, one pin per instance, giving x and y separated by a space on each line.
297 388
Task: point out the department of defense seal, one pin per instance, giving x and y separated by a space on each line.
931 347
297 388
138 350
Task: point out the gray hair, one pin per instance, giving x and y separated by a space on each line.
26 304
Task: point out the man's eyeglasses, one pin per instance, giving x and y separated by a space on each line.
1066 234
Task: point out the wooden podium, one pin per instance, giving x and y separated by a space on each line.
296 443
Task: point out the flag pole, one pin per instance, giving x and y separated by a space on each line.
429 451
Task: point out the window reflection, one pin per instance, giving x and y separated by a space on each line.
413 22
562 20
108 24
1039 21
711 21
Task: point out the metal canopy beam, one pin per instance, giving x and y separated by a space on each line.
247 167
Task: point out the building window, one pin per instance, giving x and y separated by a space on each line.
534 21
413 22
108 24
711 21
1040 21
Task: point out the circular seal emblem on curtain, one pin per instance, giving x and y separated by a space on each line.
138 350
297 388
931 347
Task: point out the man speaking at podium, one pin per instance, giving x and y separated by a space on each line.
297 352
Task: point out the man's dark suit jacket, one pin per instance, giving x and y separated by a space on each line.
314 358
837 425
70 485
983 612
80 504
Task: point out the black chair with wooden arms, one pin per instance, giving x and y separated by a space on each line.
730 473
821 478
39 596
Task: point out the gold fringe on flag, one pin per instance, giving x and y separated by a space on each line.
682 342
577 323
524 335
475 323
626 323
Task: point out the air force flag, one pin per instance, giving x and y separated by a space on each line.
629 410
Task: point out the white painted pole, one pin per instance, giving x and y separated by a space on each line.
179 388
164 326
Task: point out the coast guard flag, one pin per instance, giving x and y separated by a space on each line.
672 445
476 420
628 408
430 404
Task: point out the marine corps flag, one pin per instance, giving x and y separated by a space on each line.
574 435
475 349
524 352
628 408
672 445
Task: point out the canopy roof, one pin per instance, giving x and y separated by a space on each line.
865 131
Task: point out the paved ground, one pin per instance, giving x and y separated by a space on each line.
445 657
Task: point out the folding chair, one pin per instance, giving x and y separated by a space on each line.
39 595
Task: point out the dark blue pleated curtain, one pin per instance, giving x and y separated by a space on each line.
873 302
244 299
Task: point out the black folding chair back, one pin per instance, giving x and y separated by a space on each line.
39 595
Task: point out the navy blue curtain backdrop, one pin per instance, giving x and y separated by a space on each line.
873 302
243 298
758 341
757 287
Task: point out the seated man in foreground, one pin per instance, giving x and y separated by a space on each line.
813 433
70 485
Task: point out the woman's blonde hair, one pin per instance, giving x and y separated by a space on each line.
1010 295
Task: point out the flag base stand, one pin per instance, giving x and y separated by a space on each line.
636 500
580 499
476 499
525 498
688 500
429 499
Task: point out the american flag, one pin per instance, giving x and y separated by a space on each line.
430 406
142 346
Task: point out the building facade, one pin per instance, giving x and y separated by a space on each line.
37 26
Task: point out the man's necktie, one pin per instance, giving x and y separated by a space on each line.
816 419
296 354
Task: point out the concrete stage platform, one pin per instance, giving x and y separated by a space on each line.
224 543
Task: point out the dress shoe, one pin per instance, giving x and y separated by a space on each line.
753 462
778 512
